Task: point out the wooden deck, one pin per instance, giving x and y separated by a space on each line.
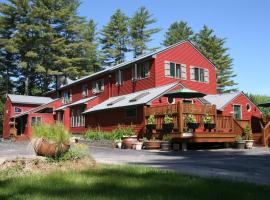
226 126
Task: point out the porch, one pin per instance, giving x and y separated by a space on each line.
227 128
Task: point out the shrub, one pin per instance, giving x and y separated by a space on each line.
98 135
238 138
168 119
151 119
121 131
78 151
55 132
248 133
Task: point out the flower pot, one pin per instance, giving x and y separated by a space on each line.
209 126
193 126
48 148
150 127
168 127
249 144
152 145
165 146
240 144
119 145
138 145
127 141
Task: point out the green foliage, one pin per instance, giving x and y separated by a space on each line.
98 135
166 137
208 119
151 119
76 152
115 38
177 32
258 99
139 34
168 119
55 132
191 119
248 132
214 49
121 131
238 138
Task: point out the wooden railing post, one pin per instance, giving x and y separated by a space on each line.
180 117
144 119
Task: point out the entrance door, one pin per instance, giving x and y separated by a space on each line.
237 111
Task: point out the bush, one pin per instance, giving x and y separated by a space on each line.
55 132
98 135
151 119
76 152
121 131
168 119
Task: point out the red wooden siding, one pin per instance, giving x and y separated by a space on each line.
188 55
243 101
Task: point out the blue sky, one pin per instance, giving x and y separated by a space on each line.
245 24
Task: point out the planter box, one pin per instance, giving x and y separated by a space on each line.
240 145
152 145
209 126
128 141
166 146
249 144
168 127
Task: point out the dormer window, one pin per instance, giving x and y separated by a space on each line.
85 90
119 77
141 71
67 97
98 86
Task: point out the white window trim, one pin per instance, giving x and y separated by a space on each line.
240 109
205 82
66 101
135 72
83 91
95 89
174 77
77 120
119 76
35 119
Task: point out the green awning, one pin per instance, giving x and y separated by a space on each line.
184 93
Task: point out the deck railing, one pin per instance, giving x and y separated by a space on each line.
179 112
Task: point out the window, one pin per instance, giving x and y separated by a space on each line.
175 70
77 118
130 112
67 97
98 86
119 77
140 71
60 117
248 107
35 121
85 90
136 98
17 110
199 74
237 111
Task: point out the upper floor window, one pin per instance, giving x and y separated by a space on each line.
199 74
141 71
175 70
237 111
17 110
85 90
67 97
119 77
98 86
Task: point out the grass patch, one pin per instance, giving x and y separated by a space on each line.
104 182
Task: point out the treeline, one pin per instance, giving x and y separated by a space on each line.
42 38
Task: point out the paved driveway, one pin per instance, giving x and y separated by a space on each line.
249 165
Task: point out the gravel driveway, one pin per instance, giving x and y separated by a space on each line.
248 165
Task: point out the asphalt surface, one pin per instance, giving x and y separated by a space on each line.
244 165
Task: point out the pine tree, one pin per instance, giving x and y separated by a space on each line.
177 31
213 48
139 33
115 38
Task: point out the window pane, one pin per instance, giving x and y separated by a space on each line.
202 75
196 71
178 71
172 69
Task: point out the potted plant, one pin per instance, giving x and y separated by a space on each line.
151 123
50 140
118 144
168 124
127 134
208 122
192 123
166 143
152 144
248 137
138 145
240 144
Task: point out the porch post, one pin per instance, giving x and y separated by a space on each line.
180 117
144 120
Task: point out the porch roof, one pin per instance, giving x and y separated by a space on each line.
81 101
136 98
23 99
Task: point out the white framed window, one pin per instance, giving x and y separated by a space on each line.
199 74
35 121
237 111
119 77
85 90
67 97
17 110
141 71
98 86
175 70
77 118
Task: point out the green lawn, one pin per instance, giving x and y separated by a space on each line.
126 182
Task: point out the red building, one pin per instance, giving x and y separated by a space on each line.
118 94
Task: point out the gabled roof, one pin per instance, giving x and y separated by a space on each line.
136 98
221 100
23 99
139 58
